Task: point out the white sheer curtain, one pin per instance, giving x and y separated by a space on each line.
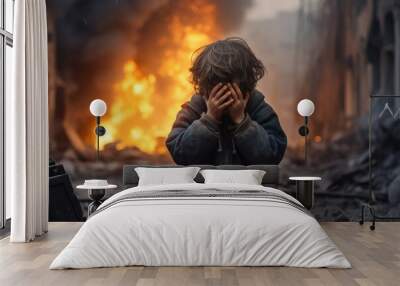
27 124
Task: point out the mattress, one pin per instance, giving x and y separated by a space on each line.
201 225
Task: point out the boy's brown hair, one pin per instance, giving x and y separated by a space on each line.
228 60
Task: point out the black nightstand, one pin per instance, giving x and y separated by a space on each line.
96 194
305 190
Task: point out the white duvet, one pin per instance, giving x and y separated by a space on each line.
200 231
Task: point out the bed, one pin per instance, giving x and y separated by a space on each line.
198 224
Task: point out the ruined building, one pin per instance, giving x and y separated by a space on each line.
354 52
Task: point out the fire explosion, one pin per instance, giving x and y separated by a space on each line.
144 105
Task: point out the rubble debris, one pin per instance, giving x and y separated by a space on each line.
343 163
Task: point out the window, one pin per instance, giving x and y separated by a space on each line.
6 64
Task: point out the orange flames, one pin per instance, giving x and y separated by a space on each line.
145 105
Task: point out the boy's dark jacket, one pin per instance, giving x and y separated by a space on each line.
197 139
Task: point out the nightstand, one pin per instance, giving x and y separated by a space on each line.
305 190
96 194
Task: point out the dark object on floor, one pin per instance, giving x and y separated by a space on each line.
55 170
5 231
63 204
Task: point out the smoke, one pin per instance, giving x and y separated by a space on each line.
94 38
91 29
154 35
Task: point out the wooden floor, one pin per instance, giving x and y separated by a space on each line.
375 257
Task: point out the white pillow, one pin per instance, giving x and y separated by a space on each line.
248 177
165 176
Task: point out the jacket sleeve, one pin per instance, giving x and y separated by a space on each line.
193 138
259 139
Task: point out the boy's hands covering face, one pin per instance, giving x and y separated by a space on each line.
219 99
236 109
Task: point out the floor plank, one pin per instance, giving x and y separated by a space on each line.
375 256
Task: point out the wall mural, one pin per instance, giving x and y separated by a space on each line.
136 56
384 138
387 110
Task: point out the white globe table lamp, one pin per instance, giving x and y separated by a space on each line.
305 108
98 108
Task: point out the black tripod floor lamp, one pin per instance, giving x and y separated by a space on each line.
305 108
371 204
98 108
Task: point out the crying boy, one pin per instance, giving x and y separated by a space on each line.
227 120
